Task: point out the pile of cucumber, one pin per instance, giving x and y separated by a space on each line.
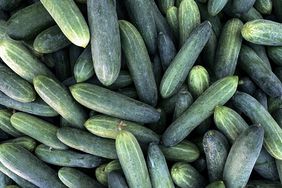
141 93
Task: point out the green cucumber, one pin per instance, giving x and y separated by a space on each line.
21 25
101 175
129 92
274 103
24 141
38 129
123 80
209 51
185 175
184 100
215 6
105 40
251 63
261 97
165 4
59 98
263 32
247 85
261 52
111 166
132 160
228 48
87 142
66 158
216 184
113 104
141 14
263 184
172 20
185 151
242 6
50 40
176 74
70 20
278 72
12 186
242 157
138 63
217 94
20 161
73 178
252 14
21 91
258 114
158 169
264 6
275 54
62 64
109 127
5 123
5 180
157 69
116 180
277 116
167 49
74 53
159 126
9 4
279 168
277 6
216 149
200 164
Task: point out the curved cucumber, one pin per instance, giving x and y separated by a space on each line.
6 125
215 6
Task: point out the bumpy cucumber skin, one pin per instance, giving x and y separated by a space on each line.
131 158
116 180
275 54
5 123
215 6
264 6
113 104
217 94
70 20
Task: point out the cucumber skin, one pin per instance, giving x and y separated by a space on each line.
261 52
279 168
59 98
172 20
70 20
242 157
131 158
247 85
19 161
215 6
176 74
277 9
116 180
264 6
274 53
258 114
5 123
252 14
194 115
242 6
105 40
101 175
184 100
24 141
216 184
113 104
166 49
138 63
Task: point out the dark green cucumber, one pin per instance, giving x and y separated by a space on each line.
277 116
217 94
216 184
159 126
70 20
123 80
62 64
185 175
9 5
216 149
263 184
275 54
252 14
184 151
209 51
21 25
251 63
263 32
158 169
83 68
72 177
278 72
105 40
38 129
215 6
113 104
157 69
279 168
165 4
258 114
241 6
87 142
26 165
200 164
109 127
101 175
184 100
129 92
261 52
21 91
247 85
228 49
242 157
167 49
142 16
139 64
59 98
116 180
24 141
74 53
172 20
277 6
50 40
274 103
132 160
5 180
179 68
264 6
261 97
5 123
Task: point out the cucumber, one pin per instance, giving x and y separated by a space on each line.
113 104
50 40
264 6
216 184
258 114
24 141
275 54
261 97
157 166
111 166
279 168
242 157
228 49
277 116
209 51
109 127
9 4
116 180
62 65
87 142
247 85
242 6
21 91
12 186
185 151
167 49
259 72
261 52
217 94
5 123
5 180
141 13
16 56
274 103
263 32
176 74
216 6
277 9
159 126
157 69
132 160
59 98
198 80
66 158
70 20
189 18
21 25
263 184
252 14
19 161
100 174
278 73
139 62
83 68
129 92
185 175
172 20
105 40
73 178
184 100
165 4
74 53
38 129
